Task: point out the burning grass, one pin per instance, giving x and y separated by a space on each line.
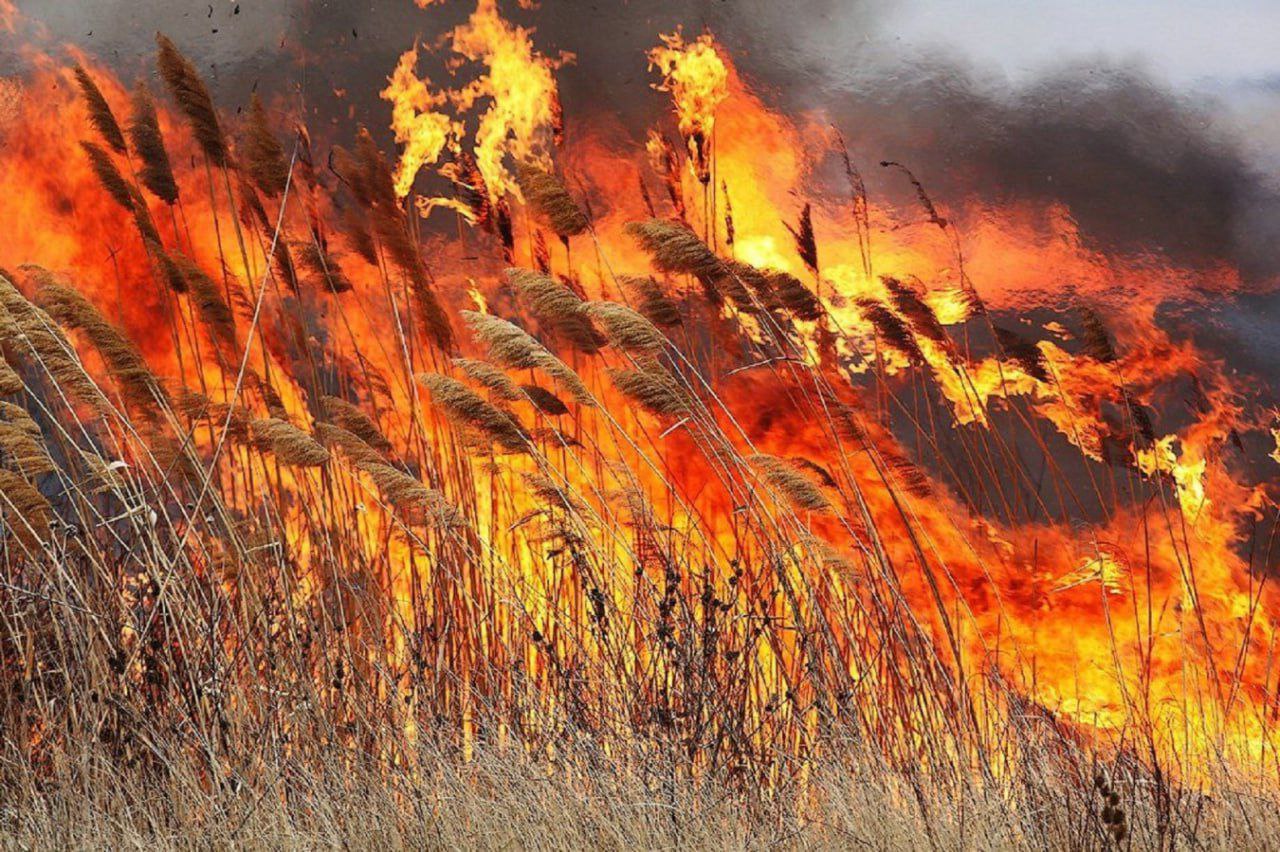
751 552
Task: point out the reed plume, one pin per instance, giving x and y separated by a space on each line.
652 300
783 476
465 407
345 415
654 389
234 419
546 490
892 330
10 381
559 307
513 347
489 377
352 445
263 157
1097 341
291 445
674 248
416 503
109 176
793 295
282 263
156 172
909 475
168 269
24 451
25 510
378 182
1027 354
544 400
218 318
806 244
359 237
36 330
323 265
551 201
100 114
627 329
914 309
138 384
192 96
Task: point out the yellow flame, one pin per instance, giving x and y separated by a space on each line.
523 116
422 131
1188 475
698 81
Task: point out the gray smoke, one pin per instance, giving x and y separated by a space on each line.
1141 168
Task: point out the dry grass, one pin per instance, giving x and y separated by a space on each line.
501 798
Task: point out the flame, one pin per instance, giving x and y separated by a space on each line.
422 131
697 79
523 118
1010 488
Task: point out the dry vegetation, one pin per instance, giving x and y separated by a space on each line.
432 600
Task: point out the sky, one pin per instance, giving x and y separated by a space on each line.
1190 43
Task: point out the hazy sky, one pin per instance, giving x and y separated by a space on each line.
1184 41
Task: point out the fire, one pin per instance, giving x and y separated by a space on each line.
522 120
794 443
422 131
697 79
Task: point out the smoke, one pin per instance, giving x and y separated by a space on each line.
1140 168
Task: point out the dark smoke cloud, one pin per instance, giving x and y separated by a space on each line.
1140 168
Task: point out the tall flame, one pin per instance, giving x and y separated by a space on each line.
697 79
422 131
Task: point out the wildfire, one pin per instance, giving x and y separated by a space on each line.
697 79
534 493
422 131
523 119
